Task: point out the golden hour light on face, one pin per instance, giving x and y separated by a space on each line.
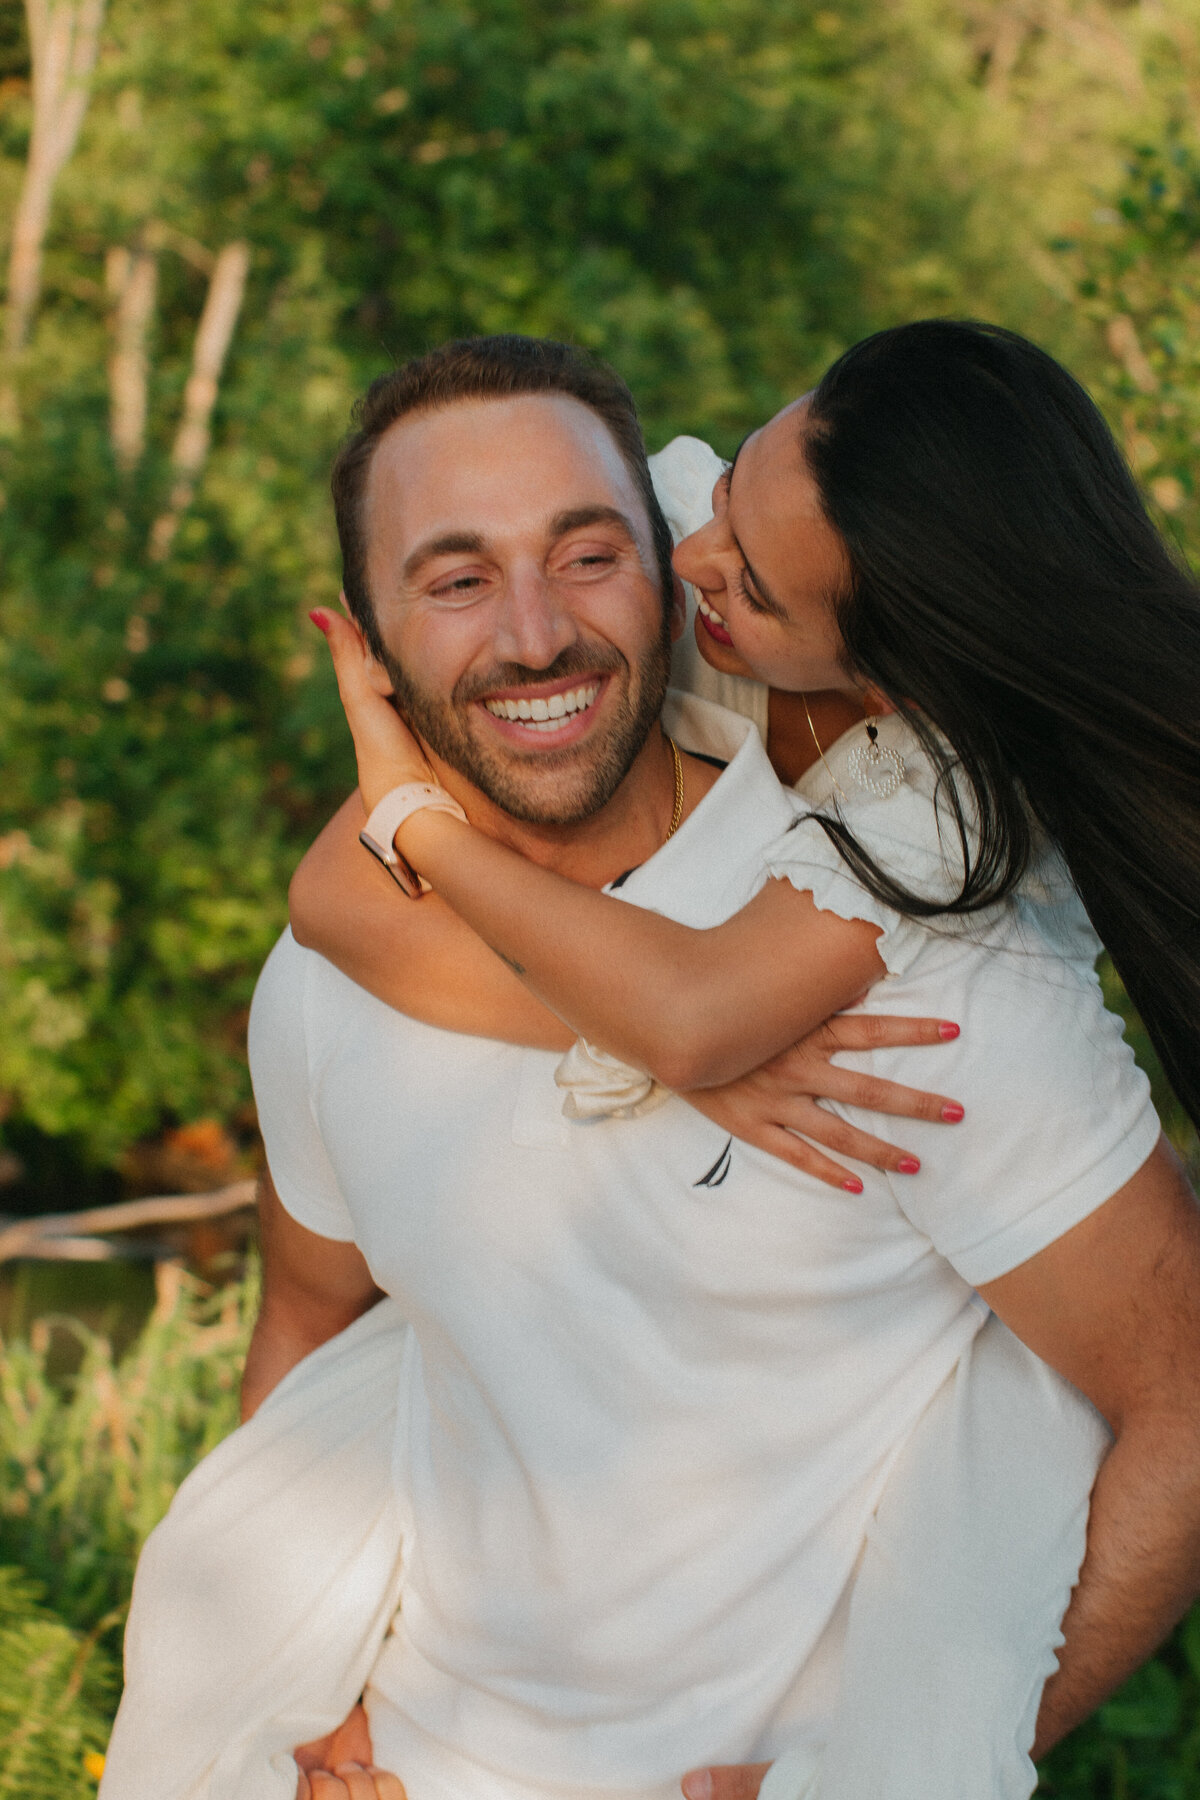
512 569
768 566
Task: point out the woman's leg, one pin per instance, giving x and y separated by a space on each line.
968 1566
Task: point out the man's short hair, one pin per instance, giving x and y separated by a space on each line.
485 368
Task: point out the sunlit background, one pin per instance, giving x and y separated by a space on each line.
221 218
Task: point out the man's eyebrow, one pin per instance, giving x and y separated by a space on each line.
579 516
453 543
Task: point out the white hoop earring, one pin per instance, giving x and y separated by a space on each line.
879 770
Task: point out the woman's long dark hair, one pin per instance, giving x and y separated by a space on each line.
1009 588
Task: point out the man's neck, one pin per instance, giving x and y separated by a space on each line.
628 829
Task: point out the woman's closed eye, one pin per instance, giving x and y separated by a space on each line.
744 593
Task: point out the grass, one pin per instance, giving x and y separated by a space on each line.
92 1448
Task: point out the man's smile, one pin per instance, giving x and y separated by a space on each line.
558 711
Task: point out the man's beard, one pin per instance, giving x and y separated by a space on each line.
512 780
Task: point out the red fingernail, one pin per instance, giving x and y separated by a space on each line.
947 1030
952 1113
908 1165
853 1185
320 621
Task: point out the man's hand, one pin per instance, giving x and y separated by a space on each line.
776 1107
339 1767
349 1781
730 1781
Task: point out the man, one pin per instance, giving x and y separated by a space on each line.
652 1390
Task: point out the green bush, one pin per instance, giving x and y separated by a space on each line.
717 194
89 1461
57 1694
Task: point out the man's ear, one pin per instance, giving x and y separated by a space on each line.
377 675
678 608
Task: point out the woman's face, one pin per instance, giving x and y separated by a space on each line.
768 567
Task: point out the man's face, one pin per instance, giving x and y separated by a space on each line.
512 571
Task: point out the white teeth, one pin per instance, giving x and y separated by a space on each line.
546 715
710 612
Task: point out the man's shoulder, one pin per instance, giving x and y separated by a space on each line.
297 986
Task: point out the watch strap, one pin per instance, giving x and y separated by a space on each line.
379 833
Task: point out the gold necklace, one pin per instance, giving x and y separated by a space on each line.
677 811
816 740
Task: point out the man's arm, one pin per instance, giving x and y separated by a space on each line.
1114 1306
313 1287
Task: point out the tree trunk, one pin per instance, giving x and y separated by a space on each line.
64 38
132 279
226 289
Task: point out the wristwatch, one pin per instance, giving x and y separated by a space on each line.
379 833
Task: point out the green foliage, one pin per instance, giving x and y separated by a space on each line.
88 1465
717 194
1144 1743
1139 280
57 1695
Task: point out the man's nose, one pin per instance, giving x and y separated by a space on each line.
535 622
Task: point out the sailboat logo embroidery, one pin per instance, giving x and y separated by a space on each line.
715 1176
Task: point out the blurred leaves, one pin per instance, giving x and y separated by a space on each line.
57 1695
716 194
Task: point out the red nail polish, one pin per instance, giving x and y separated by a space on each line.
320 621
908 1165
952 1112
853 1185
947 1030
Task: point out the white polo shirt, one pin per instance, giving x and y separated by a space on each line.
660 1377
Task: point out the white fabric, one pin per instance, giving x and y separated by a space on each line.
1049 1087
261 1600
617 1334
684 475
600 1086
956 1607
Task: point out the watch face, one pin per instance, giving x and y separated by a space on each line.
401 872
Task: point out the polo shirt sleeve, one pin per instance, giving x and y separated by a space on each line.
1059 1117
280 1071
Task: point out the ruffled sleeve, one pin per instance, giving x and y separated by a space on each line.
911 834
